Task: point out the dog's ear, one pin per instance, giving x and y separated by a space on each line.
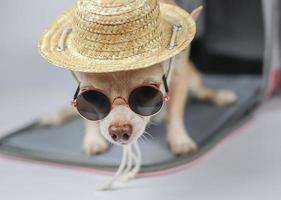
196 12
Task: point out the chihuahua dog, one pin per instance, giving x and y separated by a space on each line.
122 125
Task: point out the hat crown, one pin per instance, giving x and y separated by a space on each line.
114 7
108 3
100 36
116 29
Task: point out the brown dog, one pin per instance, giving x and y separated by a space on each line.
184 80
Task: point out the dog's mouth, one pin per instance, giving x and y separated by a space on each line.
125 142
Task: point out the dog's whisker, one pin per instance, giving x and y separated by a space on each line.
142 140
139 139
153 123
145 138
149 135
150 126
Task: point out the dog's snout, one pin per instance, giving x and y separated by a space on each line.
120 132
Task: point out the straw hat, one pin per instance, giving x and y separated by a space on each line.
116 35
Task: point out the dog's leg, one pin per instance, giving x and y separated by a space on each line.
94 143
58 118
203 93
177 136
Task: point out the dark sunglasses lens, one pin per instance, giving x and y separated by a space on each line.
93 105
146 100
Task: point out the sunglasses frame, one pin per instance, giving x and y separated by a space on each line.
165 97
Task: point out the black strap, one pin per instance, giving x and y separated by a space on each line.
165 83
77 92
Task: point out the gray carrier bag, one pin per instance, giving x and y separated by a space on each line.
237 48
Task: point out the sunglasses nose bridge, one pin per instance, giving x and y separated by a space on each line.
119 101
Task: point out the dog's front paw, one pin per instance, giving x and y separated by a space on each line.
94 145
225 98
179 142
53 120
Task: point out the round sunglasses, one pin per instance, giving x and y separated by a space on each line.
145 100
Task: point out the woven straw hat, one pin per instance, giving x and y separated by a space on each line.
116 35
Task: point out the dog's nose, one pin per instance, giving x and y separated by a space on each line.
120 132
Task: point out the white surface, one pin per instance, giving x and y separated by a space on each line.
247 166
29 85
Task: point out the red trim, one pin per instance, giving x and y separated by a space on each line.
274 81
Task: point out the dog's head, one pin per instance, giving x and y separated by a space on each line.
122 125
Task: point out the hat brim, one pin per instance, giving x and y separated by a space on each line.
70 59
